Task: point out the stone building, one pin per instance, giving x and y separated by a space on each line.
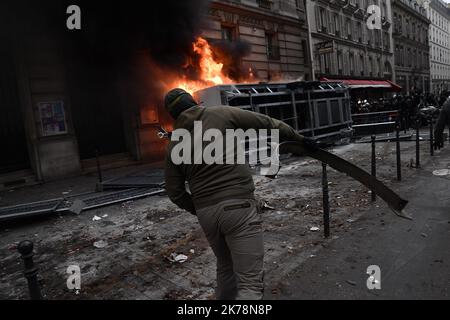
68 95
411 46
439 15
276 30
342 44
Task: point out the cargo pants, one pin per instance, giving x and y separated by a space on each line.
234 231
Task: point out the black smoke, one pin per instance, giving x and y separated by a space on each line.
130 41
231 54
113 34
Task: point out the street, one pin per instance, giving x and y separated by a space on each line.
413 255
129 251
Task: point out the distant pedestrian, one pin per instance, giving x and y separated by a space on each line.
443 120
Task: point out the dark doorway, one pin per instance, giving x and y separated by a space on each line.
13 144
95 102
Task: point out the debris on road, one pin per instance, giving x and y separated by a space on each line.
266 206
350 282
175 257
441 172
100 244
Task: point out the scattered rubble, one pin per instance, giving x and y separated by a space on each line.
160 251
100 244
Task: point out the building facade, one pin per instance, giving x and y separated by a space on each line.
411 46
438 13
276 31
342 44
66 96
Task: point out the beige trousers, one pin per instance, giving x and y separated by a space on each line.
234 231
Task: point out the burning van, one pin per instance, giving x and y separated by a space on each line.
320 110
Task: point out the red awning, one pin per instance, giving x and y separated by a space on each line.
360 84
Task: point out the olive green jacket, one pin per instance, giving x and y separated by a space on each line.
210 184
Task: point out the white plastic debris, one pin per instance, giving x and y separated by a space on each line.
181 258
175 257
104 216
100 244
441 172
96 218
314 229
266 206
192 251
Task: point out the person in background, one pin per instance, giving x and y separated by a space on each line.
443 120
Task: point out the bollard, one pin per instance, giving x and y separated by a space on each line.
417 143
431 137
326 204
99 169
25 248
374 166
399 168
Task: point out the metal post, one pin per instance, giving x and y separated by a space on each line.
25 248
99 169
417 143
431 137
374 166
399 168
326 204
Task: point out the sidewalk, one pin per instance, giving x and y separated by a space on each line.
414 256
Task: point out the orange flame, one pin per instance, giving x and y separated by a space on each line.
210 70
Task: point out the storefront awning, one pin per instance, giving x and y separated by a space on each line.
361 84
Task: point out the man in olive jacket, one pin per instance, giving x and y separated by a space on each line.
222 195
444 119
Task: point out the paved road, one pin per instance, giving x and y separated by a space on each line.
414 256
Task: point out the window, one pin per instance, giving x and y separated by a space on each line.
352 64
322 20
339 61
273 51
359 30
361 59
228 33
348 29
265 4
337 24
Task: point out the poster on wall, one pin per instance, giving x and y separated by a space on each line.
53 118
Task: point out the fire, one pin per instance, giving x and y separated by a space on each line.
210 71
